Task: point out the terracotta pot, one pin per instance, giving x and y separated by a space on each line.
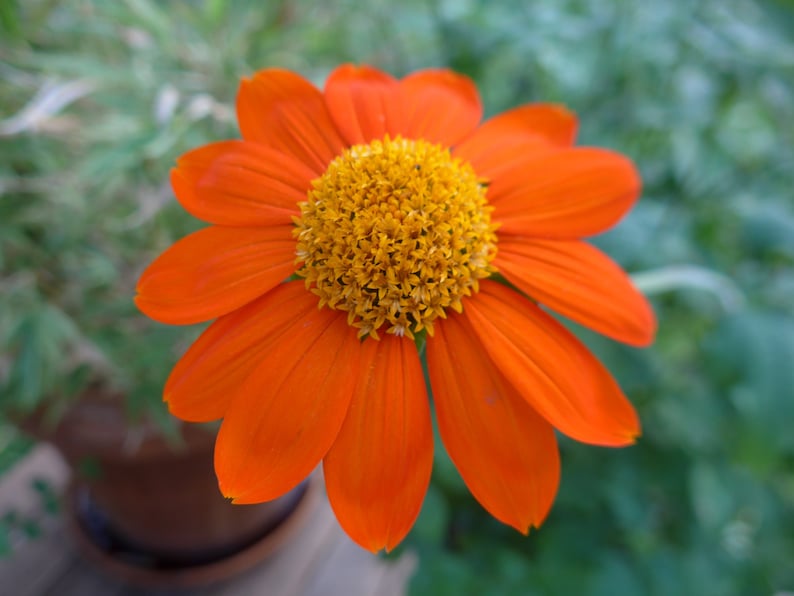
149 502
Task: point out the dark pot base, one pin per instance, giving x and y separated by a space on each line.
107 548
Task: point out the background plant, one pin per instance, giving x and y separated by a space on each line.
98 98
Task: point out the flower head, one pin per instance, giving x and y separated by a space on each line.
347 223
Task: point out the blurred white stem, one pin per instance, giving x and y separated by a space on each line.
50 99
678 277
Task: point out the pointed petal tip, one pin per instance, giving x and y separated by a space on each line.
243 497
184 412
244 494
640 339
648 336
391 543
643 334
627 438
149 308
525 525
378 544
237 498
522 526
375 546
227 494
627 435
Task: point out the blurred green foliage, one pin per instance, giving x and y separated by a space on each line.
17 526
98 98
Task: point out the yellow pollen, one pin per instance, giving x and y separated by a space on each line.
394 233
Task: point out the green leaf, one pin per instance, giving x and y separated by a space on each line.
431 526
753 353
9 18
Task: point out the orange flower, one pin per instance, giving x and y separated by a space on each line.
406 219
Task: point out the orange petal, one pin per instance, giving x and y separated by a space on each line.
503 158
364 103
440 106
236 183
214 271
567 193
580 282
378 469
283 110
511 135
285 417
201 385
550 368
506 454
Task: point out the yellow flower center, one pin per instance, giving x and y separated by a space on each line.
395 232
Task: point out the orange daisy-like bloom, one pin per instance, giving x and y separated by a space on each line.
352 221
